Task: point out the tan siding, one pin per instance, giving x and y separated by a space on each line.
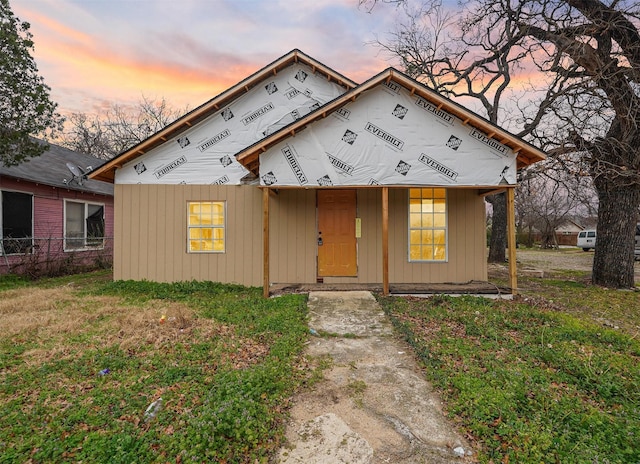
151 242
466 235
151 237
293 236
118 233
370 243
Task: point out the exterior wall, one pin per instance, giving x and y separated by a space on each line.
151 237
48 227
151 234
293 239
466 241
292 235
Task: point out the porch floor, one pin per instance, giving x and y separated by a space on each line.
467 288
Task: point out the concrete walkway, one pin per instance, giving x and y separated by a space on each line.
373 405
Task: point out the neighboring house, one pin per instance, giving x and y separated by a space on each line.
297 175
54 220
567 233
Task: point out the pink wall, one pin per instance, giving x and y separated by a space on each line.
48 227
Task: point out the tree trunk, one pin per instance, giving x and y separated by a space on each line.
617 218
498 242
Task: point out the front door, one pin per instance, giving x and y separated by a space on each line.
337 233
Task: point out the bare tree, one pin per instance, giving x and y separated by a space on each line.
585 55
105 136
549 195
85 134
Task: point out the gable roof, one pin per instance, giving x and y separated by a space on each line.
107 171
50 168
526 153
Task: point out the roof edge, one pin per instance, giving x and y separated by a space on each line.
106 172
525 152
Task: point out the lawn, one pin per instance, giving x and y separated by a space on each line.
82 358
550 377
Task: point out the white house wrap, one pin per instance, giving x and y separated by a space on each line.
388 137
204 154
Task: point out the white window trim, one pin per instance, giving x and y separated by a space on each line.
64 226
223 227
446 228
33 207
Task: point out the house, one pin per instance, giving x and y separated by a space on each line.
53 218
297 175
565 234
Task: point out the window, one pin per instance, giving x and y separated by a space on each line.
427 224
83 225
17 222
205 225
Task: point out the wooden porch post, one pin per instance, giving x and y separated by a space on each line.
511 240
265 242
385 241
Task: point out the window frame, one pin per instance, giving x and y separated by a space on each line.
87 242
222 227
29 247
444 228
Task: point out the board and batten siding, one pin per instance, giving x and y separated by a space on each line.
151 234
466 240
293 250
293 239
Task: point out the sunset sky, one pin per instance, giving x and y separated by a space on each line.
93 53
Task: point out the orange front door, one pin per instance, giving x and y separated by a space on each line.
337 233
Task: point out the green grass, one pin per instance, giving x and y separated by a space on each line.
619 308
224 360
530 381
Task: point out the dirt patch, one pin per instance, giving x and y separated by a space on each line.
57 316
556 261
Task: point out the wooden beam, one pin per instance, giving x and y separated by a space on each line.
265 242
511 240
385 241
484 193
